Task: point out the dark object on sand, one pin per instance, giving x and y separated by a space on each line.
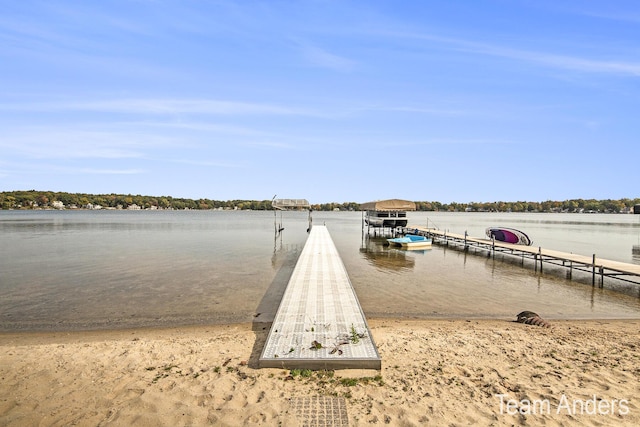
531 318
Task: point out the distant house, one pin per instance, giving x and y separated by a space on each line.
134 207
56 204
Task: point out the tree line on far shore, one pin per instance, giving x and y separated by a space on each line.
33 199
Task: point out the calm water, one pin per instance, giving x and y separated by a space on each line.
111 269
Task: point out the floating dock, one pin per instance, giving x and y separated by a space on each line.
596 267
319 323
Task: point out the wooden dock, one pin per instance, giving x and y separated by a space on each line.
319 323
597 268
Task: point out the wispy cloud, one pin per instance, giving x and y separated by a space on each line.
444 111
275 144
178 106
589 65
448 141
610 11
107 171
45 168
69 144
211 163
322 58
563 61
199 127
159 106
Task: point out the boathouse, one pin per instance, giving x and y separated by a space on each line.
387 214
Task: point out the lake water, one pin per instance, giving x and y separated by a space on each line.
64 270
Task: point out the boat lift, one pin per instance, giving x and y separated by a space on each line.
285 205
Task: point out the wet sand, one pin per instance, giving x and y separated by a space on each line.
435 372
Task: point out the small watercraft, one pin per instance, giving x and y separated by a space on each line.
410 241
508 235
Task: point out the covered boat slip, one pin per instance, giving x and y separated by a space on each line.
284 204
319 323
390 213
389 205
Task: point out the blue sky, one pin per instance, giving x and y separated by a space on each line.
466 101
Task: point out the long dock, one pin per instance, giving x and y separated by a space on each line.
319 323
598 268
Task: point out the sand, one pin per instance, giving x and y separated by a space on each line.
435 372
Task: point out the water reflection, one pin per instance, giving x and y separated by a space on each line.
382 257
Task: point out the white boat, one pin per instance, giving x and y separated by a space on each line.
410 241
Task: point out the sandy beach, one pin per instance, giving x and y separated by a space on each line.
435 372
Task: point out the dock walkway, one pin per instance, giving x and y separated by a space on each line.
319 323
590 264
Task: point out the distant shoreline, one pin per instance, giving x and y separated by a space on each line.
42 199
253 210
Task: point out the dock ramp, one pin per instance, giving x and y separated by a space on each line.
319 323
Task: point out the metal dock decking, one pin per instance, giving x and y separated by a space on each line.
319 323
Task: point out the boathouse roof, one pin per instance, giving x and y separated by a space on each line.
389 205
290 204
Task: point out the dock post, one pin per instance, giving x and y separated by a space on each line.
466 246
493 247
593 271
601 277
540 253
